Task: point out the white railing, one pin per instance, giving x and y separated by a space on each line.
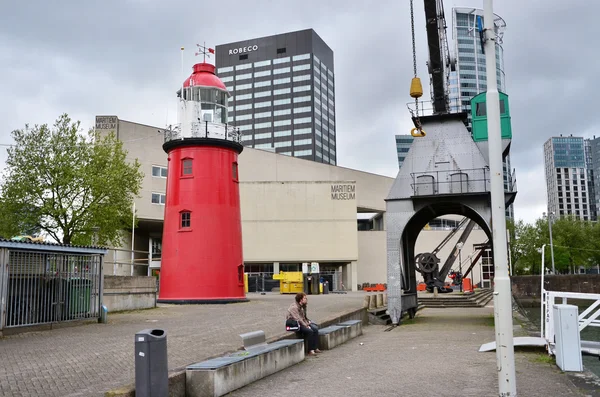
587 318
204 129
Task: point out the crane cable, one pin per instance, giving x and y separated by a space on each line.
416 89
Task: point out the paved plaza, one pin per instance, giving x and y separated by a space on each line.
436 355
90 359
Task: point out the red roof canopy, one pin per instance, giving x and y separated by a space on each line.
204 76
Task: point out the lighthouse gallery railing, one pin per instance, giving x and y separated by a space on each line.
206 129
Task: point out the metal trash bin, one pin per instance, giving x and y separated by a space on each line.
151 367
325 287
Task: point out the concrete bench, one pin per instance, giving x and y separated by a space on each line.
335 335
221 375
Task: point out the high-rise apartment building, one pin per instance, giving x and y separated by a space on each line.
592 154
283 96
470 77
567 183
403 143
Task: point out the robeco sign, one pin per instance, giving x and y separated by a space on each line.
241 50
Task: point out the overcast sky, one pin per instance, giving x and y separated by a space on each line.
122 57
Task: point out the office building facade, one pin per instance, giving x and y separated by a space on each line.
283 93
567 180
403 143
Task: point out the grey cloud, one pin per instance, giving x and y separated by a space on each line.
122 57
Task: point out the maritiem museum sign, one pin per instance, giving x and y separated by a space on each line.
343 191
242 50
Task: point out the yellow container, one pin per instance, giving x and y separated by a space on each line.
294 288
289 282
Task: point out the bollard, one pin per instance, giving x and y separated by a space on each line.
151 367
366 302
385 299
435 292
379 300
103 315
372 302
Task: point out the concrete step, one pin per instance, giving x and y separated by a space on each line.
479 299
338 334
382 319
379 316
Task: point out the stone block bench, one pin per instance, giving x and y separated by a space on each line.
335 335
221 375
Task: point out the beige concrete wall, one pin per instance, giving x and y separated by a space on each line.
260 165
298 222
372 257
129 293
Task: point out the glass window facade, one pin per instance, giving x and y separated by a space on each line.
296 114
403 143
570 172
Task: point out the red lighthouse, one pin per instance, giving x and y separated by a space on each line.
202 234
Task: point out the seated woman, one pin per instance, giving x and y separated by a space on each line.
297 311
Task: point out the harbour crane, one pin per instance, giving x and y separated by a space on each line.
439 66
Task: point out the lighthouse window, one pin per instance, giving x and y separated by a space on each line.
234 171
186 168
186 219
241 274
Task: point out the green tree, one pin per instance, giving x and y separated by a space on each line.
525 245
70 185
573 243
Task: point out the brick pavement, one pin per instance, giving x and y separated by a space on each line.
88 360
437 355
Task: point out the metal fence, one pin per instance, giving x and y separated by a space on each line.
38 287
